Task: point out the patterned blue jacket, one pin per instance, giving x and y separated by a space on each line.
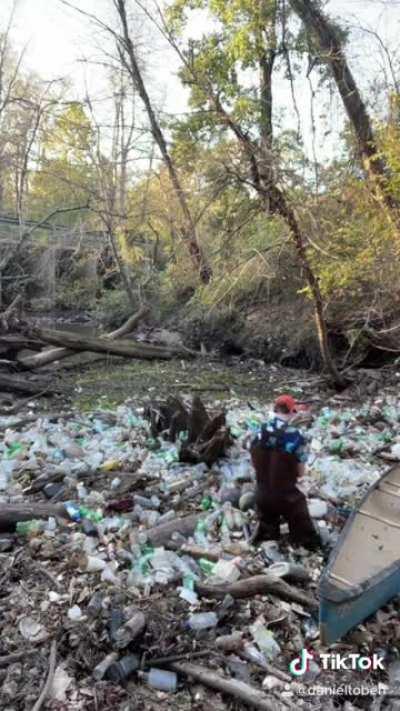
280 434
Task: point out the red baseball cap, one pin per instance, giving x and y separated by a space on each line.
287 401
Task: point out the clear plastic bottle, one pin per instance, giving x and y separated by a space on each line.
200 534
229 515
202 621
160 679
265 640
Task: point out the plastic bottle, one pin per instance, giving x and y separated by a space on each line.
117 619
143 501
200 534
95 516
73 511
206 503
95 605
101 668
271 552
207 566
264 640
228 515
131 629
226 571
119 671
6 471
237 520
230 642
89 528
167 516
13 450
161 679
29 528
188 595
252 654
202 621
81 491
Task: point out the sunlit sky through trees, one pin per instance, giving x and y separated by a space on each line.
57 39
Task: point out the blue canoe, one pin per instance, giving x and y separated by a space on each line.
363 572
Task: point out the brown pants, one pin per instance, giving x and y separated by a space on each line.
292 508
277 497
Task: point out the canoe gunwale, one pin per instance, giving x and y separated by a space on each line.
328 589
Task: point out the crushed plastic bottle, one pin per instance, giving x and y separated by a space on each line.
29 528
264 639
202 621
206 566
7 469
13 450
225 571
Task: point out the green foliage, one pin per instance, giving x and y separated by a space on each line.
66 177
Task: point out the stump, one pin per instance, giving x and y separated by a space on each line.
207 437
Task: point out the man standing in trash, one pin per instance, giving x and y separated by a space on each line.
278 454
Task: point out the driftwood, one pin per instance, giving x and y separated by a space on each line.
185 525
11 514
207 437
12 383
199 552
238 689
130 324
129 349
50 676
55 354
257 585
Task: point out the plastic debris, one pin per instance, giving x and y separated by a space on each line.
264 639
126 596
202 621
31 630
161 679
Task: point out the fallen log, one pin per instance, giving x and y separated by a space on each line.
129 349
55 354
257 585
11 514
12 383
130 324
185 525
238 689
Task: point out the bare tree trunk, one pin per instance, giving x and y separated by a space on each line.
280 206
332 53
121 267
129 59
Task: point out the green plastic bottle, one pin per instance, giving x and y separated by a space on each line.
207 566
93 516
29 528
